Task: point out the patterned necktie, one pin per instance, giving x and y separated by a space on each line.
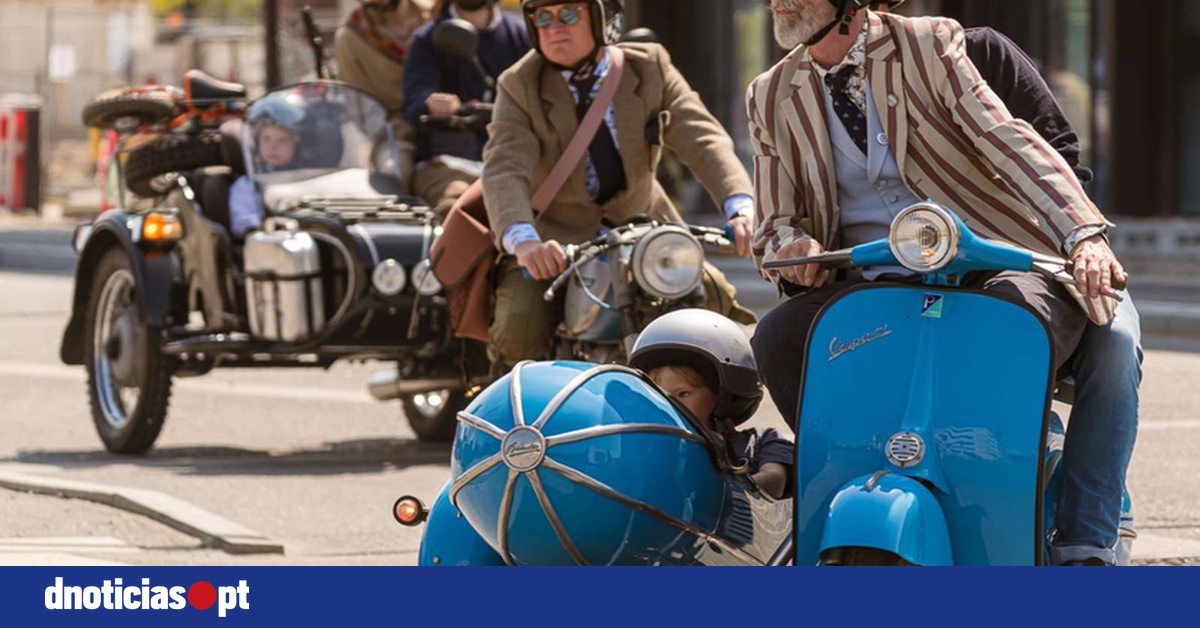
852 117
606 159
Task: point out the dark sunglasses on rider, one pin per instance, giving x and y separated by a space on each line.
569 16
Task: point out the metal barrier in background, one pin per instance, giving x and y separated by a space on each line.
20 152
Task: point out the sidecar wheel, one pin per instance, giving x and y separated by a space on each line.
434 416
129 381
862 557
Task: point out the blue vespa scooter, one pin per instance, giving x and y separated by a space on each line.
933 467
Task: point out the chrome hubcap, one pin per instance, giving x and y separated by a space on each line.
116 350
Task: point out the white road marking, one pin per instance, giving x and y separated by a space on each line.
61 551
67 544
232 389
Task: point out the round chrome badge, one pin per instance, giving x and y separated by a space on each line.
523 449
905 450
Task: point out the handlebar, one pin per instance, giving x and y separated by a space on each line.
1056 268
579 255
471 117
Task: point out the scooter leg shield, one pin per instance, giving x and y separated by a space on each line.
892 513
450 541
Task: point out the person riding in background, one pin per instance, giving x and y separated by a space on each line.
439 84
370 47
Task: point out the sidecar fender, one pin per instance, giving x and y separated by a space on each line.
889 512
450 541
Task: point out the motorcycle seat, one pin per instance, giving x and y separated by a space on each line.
201 87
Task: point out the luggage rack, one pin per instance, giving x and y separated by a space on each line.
351 210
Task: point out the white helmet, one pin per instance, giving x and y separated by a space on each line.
715 347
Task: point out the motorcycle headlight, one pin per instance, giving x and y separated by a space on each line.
389 278
668 262
925 238
423 279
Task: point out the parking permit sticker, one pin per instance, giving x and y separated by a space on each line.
933 306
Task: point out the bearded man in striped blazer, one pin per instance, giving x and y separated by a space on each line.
872 112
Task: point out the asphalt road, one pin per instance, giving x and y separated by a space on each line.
306 458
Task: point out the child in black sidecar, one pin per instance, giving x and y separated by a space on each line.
704 361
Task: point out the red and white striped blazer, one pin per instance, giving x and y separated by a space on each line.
953 139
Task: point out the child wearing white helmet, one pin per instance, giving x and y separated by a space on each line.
705 362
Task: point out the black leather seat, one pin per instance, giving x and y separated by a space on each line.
201 88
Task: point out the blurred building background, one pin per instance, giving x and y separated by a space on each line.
1132 109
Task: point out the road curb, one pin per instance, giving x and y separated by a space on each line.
212 530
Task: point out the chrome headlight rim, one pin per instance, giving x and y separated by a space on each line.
935 214
424 281
643 248
389 278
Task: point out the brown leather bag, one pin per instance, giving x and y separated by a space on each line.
466 241
458 257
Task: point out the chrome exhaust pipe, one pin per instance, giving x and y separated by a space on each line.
387 385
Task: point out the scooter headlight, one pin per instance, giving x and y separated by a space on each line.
925 238
668 262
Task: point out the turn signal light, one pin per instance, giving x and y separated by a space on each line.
409 511
161 228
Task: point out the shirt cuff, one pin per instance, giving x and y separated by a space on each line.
1080 234
739 205
517 234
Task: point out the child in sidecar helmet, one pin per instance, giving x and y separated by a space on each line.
705 362
275 128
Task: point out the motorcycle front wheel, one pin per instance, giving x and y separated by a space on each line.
434 416
129 381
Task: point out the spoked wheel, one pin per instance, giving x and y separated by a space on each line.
129 382
434 416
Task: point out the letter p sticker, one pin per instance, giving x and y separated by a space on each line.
933 306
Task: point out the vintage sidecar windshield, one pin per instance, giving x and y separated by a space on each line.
317 127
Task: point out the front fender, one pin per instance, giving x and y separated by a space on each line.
891 513
154 271
450 541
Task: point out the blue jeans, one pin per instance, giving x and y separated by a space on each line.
1100 437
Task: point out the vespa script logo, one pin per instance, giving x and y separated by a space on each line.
523 449
837 348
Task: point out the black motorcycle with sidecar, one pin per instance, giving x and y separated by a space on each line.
291 245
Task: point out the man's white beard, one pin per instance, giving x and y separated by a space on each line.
793 31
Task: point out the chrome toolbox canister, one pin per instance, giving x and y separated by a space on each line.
283 283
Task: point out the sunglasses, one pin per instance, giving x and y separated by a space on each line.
569 16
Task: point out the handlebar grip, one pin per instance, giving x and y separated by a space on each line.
1069 268
729 233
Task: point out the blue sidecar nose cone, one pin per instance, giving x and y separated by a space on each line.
567 463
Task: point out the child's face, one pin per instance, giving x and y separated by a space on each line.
277 146
695 397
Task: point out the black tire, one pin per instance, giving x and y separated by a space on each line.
170 153
104 111
435 427
863 557
112 306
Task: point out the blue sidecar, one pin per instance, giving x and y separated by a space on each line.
568 463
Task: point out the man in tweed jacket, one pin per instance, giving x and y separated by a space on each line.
937 131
